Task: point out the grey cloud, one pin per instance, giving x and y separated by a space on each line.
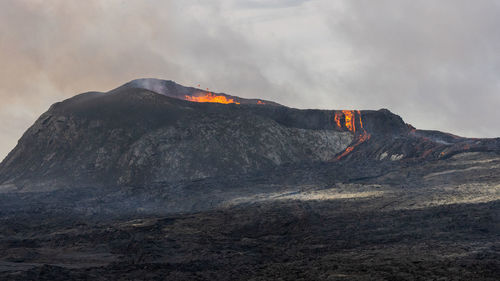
269 4
433 62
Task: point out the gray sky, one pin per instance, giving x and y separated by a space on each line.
435 63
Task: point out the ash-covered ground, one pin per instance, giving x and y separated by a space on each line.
439 220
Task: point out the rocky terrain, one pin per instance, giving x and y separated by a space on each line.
142 183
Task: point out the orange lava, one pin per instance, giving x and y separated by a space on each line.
360 120
353 123
209 97
361 139
350 118
337 119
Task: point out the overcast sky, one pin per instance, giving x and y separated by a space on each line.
435 63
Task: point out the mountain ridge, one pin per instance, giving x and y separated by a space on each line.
172 89
137 136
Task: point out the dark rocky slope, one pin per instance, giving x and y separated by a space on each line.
141 184
135 137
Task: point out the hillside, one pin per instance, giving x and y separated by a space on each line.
157 181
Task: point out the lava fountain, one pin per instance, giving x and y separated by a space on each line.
209 97
346 119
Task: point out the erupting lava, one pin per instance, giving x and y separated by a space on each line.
209 97
360 139
349 118
337 119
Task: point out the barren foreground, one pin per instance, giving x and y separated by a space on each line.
438 221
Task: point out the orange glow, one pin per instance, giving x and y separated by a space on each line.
361 139
360 120
209 97
260 102
349 120
349 117
337 119
348 150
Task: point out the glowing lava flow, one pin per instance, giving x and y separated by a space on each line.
349 118
209 97
361 139
337 119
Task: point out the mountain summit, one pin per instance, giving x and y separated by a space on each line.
171 89
151 131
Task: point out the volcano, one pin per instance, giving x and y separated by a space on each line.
151 131
154 177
